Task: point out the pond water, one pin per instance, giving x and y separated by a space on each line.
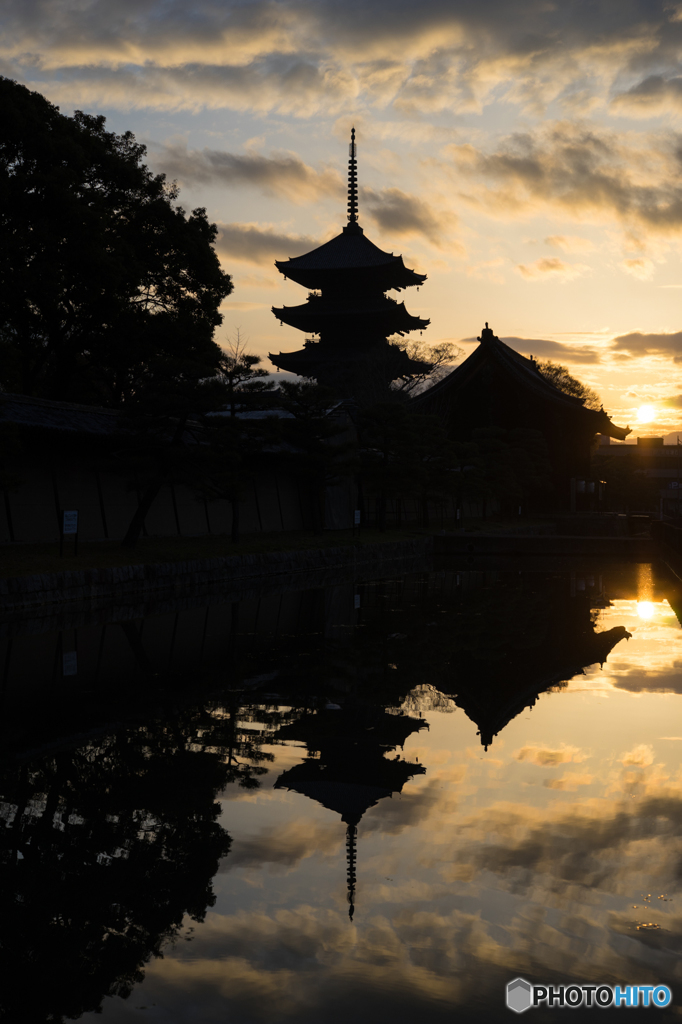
380 800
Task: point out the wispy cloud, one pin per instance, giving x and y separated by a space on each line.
551 267
639 344
577 170
654 95
640 756
570 243
255 244
401 214
548 757
556 350
281 174
285 84
640 267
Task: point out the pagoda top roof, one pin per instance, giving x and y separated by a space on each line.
523 373
350 251
350 799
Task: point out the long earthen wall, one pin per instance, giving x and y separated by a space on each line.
31 510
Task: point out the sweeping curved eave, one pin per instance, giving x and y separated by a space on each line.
390 319
491 719
306 362
345 254
346 251
387 276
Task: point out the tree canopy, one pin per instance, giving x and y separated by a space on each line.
103 276
560 377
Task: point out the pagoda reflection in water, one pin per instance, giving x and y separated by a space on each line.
347 769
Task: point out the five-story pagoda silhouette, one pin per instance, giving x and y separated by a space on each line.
347 315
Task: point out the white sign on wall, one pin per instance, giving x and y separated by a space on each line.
69 663
70 522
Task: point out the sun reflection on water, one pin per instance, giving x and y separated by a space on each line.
646 609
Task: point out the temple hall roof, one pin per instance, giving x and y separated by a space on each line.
492 704
26 411
523 375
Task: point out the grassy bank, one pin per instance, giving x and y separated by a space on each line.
27 559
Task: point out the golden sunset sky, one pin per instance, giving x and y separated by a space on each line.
525 154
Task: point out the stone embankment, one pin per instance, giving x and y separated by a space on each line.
472 544
324 565
179 577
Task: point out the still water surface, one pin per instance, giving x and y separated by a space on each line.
380 801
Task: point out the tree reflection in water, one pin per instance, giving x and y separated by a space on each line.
105 849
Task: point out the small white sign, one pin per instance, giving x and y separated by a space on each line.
70 663
70 522
356 517
356 602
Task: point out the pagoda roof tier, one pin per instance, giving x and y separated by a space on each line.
348 256
331 360
352 786
523 378
351 772
381 316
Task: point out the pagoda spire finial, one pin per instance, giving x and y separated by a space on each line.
352 180
351 853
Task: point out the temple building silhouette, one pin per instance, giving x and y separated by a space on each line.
348 320
347 316
493 705
346 769
494 684
497 387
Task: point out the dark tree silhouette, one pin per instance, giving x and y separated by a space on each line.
232 446
436 361
243 379
560 377
101 273
319 449
231 453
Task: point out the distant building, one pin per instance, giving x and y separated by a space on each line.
497 387
658 463
347 315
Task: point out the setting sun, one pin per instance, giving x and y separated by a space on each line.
646 413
